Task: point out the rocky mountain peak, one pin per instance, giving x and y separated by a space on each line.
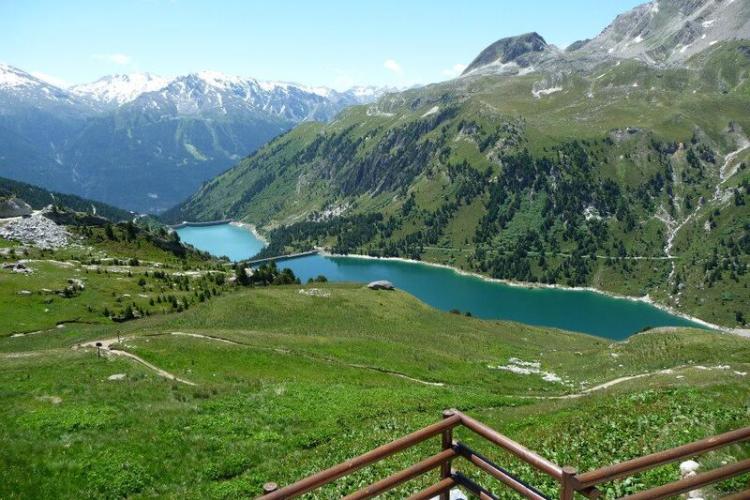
671 31
518 51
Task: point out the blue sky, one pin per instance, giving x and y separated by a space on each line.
333 43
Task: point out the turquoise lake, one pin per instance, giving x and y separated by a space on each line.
222 240
445 289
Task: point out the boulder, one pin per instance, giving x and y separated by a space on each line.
14 207
381 285
688 466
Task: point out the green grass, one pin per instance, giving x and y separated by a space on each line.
304 389
115 274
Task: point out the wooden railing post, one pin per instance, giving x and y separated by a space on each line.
567 483
270 488
445 469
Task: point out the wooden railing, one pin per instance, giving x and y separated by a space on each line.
571 483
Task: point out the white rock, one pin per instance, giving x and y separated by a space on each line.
688 466
116 376
456 494
314 292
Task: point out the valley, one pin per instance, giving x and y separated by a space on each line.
227 378
460 293
213 285
143 142
499 182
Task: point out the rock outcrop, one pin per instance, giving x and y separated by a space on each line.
381 285
14 207
36 230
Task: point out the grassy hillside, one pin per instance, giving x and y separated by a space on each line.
628 178
206 389
278 396
130 272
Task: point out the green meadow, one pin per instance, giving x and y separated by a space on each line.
279 382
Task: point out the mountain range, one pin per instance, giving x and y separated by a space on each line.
661 33
617 163
145 142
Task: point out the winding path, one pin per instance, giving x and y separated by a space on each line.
106 344
326 359
106 347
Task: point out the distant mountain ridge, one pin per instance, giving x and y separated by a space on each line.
595 166
660 33
39 198
145 142
115 90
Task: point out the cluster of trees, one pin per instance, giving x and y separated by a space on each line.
169 292
728 257
265 275
392 160
131 232
545 218
350 232
507 134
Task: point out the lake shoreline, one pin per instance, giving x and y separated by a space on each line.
185 223
244 225
252 228
523 284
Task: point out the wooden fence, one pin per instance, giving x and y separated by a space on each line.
571 482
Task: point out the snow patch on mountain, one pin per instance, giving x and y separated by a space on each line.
11 77
120 89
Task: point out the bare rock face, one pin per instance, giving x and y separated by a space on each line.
659 33
519 51
671 31
14 207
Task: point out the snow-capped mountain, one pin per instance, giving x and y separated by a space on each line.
37 119
18 86
114 90
145 142
210 93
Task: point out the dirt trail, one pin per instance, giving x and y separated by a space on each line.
329 360
106 347
613 382
620 380
106 344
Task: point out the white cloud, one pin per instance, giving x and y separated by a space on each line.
116 58
392 65
343 82
454 70
57 82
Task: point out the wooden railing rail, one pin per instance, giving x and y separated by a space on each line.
571 483
631 467
491 435
344 469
